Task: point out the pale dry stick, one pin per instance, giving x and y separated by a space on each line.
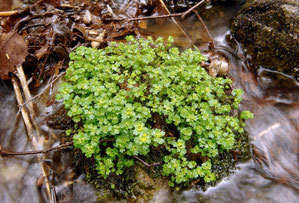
22 78
30 132
39 94
36 134
94 39
7 13
27 94
179 26
25 115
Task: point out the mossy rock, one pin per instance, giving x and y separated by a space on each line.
268 30
148 188
183 155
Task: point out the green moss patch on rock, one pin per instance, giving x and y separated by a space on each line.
269 30
143 110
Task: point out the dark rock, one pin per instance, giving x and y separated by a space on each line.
268 30
183 5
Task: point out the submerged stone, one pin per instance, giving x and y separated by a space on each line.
268 30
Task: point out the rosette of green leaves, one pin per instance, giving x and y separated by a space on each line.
112 94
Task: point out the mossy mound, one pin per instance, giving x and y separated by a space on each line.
145 104
268 30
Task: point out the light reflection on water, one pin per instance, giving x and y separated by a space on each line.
246 185
271 176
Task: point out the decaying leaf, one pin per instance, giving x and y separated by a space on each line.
87 17
218 67
13 51
54 28
43 51
100 39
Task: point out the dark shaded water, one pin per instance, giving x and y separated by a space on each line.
271 176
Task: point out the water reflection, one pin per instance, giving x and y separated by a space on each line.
246 185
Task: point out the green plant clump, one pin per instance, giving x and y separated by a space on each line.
113 94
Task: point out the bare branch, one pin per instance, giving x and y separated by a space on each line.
206 28
192 8
44 151
146 17
4 152
107 140
178 24
146 164
32 134
39 94
170 15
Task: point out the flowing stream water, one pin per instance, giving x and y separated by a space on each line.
270 176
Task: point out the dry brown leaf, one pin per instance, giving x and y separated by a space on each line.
43 51
13 51
143 24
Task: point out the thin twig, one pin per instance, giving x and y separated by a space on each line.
48 53
25 115
30 132
27 94
195 182
44 151
5 152
145 17
170 15
206 28
192 8
39 94
126 7
52 186
146 164
7 13
31 26
107 140
179 26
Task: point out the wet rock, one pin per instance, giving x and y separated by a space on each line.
59 121
150 189
268 30
218 67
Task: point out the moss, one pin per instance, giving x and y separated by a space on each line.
268 30
143 183
188 135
